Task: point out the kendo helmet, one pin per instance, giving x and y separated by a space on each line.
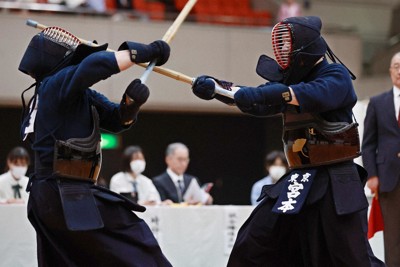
297 45
298 37
53 49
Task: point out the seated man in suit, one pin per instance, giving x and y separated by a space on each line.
173 183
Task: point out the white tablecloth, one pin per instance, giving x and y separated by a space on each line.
196 236
17 237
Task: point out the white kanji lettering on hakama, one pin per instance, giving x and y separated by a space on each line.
294 191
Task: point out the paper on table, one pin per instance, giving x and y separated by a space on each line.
194 193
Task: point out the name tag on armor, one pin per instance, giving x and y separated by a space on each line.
295 191
30 128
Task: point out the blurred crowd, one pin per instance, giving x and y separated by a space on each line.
226 12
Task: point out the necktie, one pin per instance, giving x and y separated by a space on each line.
17 193
135 192
180 190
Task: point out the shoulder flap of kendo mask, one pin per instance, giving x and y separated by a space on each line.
84 50
269 69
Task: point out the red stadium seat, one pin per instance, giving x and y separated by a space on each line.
232 12
111 5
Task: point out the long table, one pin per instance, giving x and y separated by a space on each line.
193 236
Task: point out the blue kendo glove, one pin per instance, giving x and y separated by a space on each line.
204 87
141 53
136 94
246 98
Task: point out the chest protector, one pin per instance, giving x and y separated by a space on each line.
311 141
79 158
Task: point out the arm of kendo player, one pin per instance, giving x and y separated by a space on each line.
204 88
114 117
265 100
73 80
331 90
100 66
118 117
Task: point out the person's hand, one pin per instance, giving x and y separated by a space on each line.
193 203
161 51
373 185
167 202
204 87
141 53
137 93
209 201
15 201
149 203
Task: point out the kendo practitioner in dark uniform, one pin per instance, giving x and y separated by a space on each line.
77 222
316 214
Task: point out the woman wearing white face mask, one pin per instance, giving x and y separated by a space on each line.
131 183
276 166
13 182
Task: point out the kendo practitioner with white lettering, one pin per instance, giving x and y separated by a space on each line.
316 214
77 222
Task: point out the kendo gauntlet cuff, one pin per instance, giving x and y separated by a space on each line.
141 53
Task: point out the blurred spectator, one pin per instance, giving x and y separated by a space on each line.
13 182
173 183
289 8
381 158
130 182
124 4
307 4
96 5
169 6
276 166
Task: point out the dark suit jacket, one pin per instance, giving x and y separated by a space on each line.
166 187
381 141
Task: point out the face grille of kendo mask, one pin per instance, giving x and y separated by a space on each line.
61 37
282 44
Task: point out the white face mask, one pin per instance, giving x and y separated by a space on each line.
276 172
18 171
138 166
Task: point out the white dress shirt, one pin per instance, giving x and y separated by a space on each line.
175 177
7 181
122 182
257 188
396 96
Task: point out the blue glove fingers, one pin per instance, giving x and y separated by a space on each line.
138 92
161 51
204 87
